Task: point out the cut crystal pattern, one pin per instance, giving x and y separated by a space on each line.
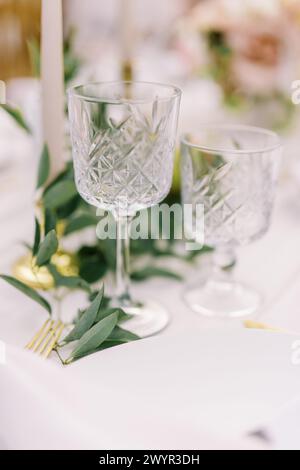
126 165
237 195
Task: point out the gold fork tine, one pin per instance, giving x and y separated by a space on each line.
54 341
37 335
251 324
46 338
43 336
50 336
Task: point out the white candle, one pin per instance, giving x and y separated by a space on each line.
126 30
52 76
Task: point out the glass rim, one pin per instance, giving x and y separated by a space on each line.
73 91
217 149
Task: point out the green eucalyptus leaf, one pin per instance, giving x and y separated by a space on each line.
37 237
80 222
104 345
105 301
59 194
72 282
141 247
94 337
67 210
92 263
86 320
119 334
44 167
109 344
123 335
71 67
34 54
108 249
33 294
123 316
149 272
105 312
193 254
91 270
47 249
17 116
67 174
80 312
71 61
50 220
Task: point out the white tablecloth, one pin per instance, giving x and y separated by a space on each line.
272 263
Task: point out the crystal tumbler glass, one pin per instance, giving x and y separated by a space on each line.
231 170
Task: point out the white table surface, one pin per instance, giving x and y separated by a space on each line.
272 264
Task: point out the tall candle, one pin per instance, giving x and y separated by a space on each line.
52 76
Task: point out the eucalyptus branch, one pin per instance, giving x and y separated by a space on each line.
98 326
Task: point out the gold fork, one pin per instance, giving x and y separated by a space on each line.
44 341
251 324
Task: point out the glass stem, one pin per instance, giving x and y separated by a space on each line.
224 261
122 261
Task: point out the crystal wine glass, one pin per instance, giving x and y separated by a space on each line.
231 170
123 138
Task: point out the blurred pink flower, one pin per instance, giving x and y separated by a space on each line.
262 35
258 52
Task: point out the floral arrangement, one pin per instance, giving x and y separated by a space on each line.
250 49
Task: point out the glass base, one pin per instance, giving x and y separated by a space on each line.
223 299
148 318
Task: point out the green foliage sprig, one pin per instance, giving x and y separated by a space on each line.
98 326
17 116
71 62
